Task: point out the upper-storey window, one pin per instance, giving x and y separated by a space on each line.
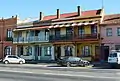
109 32
69 31
93 29
57 32
118 31
81 30
9 33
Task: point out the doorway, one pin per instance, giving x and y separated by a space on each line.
58 52
97 53
106 53
37 52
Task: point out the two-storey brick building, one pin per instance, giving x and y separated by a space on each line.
6 27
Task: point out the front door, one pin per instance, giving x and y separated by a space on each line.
37 52
97 53
106 52
58 52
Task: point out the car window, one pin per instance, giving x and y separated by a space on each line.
113 55
12 57
74 59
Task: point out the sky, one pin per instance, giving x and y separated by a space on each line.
31 8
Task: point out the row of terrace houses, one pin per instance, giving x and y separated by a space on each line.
55 36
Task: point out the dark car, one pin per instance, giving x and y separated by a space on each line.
72 61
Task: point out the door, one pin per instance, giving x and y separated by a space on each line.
37 52
106 52
58 51
13 59
57 33
97 53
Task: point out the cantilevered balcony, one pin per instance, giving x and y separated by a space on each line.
82 37
60 38
32 39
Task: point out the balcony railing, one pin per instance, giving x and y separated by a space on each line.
61 37
53 38
30 39
87 36
73 37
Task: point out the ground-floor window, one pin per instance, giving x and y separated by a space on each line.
8 50
47 51
68 51
117 47
20 50
86 51
28 50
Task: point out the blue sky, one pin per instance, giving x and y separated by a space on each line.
31 8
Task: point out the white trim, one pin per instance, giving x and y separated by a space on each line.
56 26
74 24
80 24
86 23
51 26
62 25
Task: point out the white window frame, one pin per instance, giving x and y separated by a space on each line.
86 51
8 50
118 31
108 32
9 33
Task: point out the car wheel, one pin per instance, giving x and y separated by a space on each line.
21 62
6 62
68 64
83 65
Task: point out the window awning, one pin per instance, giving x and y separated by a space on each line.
71 24
32 28
56 26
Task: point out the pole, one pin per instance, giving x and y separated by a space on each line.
2 31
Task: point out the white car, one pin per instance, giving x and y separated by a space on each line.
13 59
114 58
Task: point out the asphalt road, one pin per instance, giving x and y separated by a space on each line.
14 76
26 74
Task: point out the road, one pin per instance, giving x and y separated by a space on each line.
28 74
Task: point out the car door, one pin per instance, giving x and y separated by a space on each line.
73 61
10 59
15 59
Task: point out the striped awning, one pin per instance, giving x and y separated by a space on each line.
72 24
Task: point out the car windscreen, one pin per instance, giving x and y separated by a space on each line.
113 55
73 59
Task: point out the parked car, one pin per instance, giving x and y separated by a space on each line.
13 59
72 61
114 58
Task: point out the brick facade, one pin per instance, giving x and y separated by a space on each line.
6 24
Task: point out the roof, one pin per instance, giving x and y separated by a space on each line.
64 15
111 19
74 14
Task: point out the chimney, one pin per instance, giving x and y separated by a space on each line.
12 16
79 10
41 16
2 18
58 13
16 16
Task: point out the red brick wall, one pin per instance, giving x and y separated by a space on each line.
5 24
